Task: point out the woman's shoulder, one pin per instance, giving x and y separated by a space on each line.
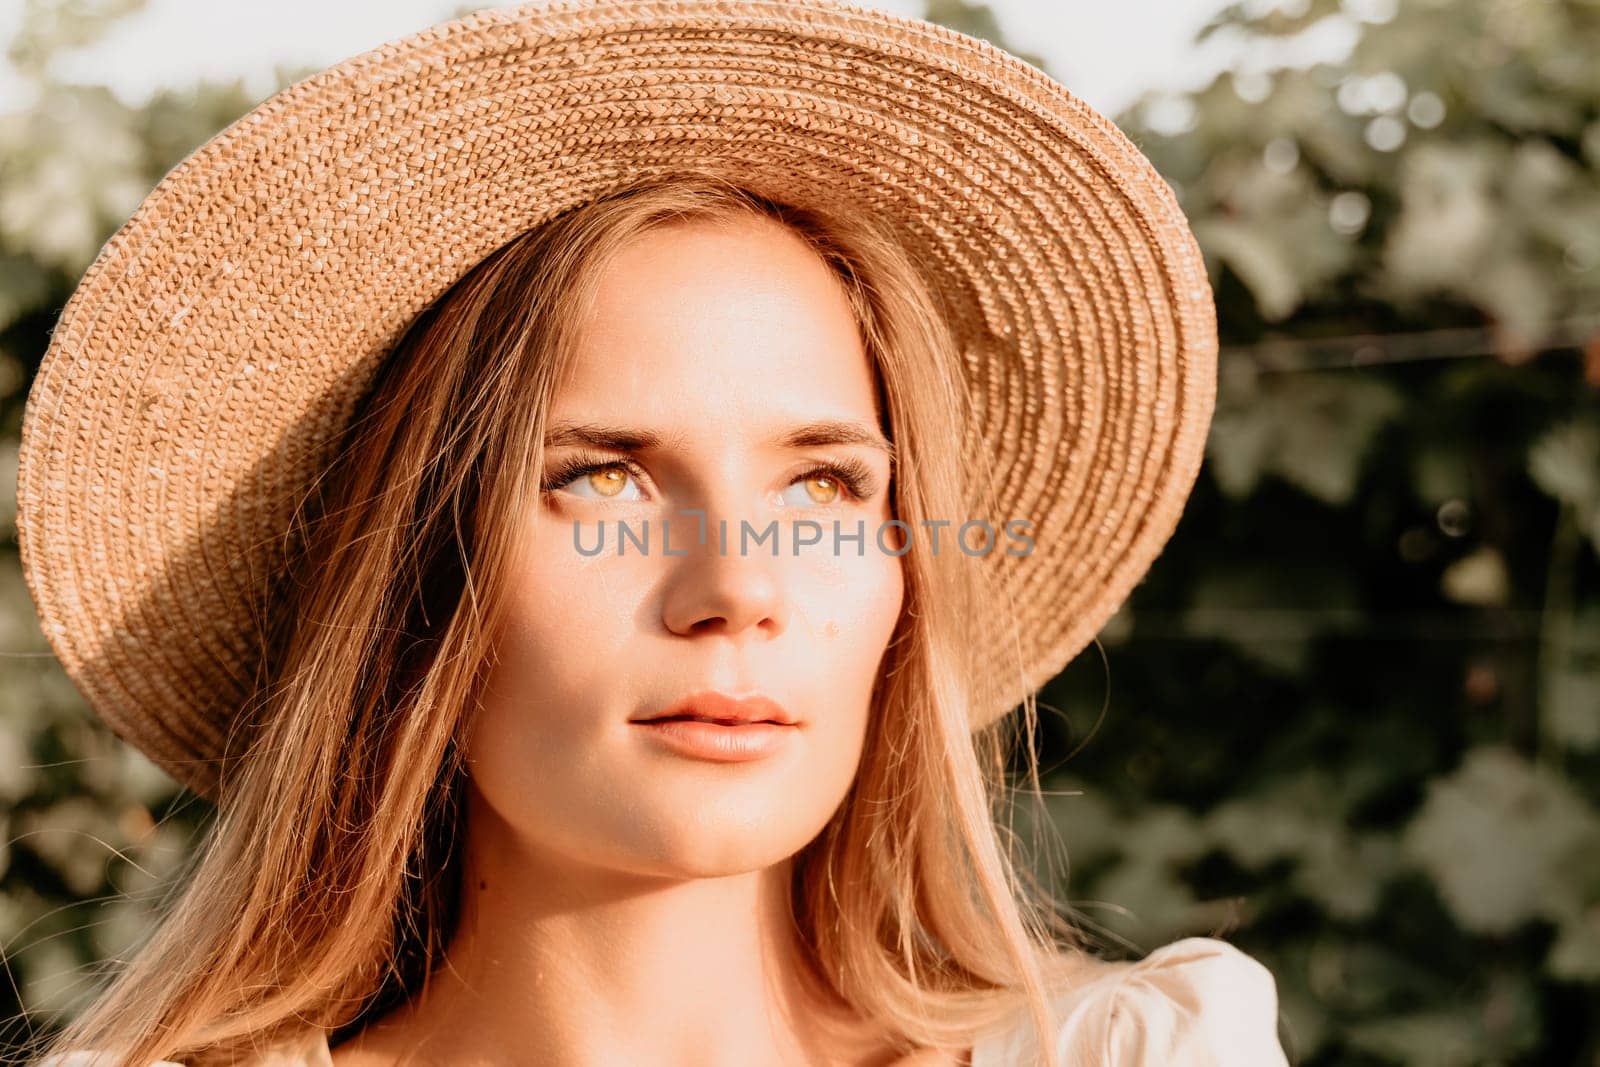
1196 1002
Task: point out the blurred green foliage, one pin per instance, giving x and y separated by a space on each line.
1351 719
91 833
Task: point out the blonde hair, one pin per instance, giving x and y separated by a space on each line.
325 890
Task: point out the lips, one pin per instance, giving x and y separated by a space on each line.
710 706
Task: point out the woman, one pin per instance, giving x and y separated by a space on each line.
562 622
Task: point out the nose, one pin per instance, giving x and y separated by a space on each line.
713 590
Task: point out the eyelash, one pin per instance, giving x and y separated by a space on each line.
856 477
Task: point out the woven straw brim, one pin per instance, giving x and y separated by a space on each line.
204 366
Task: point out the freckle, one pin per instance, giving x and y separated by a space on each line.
482 884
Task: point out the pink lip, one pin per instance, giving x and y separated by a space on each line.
714 726
720 744
731 711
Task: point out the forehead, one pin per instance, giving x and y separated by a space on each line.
718 321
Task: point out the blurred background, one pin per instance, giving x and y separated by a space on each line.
1351 720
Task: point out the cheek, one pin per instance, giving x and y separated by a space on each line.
852 611
568 633
856 590
560 682
845 613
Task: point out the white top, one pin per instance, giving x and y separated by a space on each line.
1197 1002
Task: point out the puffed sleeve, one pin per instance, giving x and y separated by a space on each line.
1198 1001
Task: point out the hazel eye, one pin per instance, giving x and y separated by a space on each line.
819 487
599 481
608 482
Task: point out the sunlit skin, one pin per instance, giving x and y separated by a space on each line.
624 904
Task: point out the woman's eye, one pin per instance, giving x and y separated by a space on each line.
815 489
610 481
619 480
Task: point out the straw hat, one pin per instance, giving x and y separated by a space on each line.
200 373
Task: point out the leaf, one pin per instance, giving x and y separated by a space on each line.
1298 819
1312 429
1440 474
1575 956
1500 1025
1477 578
1501 838
1438 1038
1572 706
1448 217
74 836
1565 462
1569 696
1276 237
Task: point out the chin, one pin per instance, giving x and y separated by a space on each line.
712 847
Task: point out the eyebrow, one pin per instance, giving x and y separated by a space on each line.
807 435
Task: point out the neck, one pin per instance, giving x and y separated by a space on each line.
588 965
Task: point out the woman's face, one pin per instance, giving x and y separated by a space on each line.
719 342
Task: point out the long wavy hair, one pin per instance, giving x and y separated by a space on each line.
325 890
